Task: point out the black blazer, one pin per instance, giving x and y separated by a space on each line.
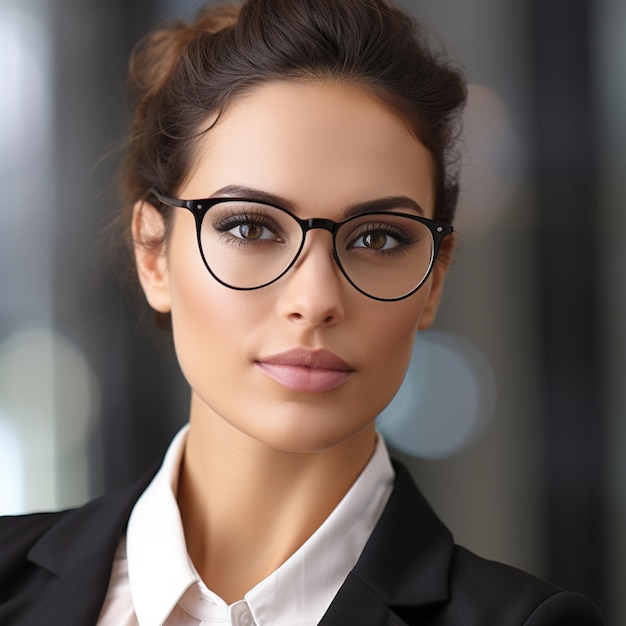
55 568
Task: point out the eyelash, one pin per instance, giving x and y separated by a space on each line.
389 230
237 219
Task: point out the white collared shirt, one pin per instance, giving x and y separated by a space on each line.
154 583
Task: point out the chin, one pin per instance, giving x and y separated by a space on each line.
309 435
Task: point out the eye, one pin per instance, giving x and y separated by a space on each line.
252 231
375 240
244 224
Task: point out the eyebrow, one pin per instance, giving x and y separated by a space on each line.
388 203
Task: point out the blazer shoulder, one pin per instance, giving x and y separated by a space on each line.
21 530
501 590
55 567
18 535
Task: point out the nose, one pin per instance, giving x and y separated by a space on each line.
312 292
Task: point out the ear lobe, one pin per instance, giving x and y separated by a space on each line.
148 232
438 277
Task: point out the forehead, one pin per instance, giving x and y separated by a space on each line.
320 144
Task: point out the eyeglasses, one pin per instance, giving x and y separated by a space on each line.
248 244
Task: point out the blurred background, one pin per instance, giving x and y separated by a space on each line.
527 460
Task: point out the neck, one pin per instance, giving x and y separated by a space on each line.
247 507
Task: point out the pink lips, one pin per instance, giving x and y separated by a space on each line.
313 371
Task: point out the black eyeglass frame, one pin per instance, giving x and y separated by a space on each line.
199 208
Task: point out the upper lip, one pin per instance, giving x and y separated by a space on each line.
315 359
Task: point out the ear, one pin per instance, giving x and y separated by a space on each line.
148 231
438 278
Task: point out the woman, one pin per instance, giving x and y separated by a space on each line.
289 188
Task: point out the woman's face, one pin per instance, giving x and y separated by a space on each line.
323 147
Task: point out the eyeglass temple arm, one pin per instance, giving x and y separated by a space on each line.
185 204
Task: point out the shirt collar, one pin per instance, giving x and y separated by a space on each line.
155 543
298 592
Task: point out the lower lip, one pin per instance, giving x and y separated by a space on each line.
312 380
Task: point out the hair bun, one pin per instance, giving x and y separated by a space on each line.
155 57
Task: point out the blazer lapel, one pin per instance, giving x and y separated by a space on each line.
404 565
77 554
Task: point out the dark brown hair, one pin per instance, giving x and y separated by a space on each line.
183 74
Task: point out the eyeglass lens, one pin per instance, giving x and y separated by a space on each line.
248 245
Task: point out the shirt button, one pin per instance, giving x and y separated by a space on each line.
246 619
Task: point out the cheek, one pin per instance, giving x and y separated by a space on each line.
197 299
208 319
390 360
389 336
